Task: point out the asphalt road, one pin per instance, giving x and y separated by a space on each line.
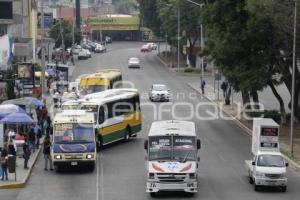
120 172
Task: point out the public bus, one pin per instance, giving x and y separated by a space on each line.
117 114
101 80
73 139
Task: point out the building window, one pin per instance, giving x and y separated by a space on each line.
3 29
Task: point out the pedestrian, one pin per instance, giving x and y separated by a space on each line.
202 85
26 153
224 87
31 139
49 121
46 126
38 134
11 148
46 151
3 162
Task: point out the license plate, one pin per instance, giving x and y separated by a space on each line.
74 163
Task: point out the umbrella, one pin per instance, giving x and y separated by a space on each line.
35 101
17 118
21 102
7 109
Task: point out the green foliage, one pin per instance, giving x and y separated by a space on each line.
55 33
125 6
273 114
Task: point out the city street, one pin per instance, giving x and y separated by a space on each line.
120 173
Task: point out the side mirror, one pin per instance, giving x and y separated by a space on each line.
198 144
146 145
286 164
253 163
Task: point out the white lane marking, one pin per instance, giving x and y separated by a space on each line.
99 179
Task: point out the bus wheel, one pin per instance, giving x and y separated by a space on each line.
127 133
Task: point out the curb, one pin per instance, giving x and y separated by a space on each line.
292 163
22 183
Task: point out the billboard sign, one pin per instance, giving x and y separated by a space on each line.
25 73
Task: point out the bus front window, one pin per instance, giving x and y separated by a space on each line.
95 88
160 148
73 132
184 148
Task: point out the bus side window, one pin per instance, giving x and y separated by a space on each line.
101 116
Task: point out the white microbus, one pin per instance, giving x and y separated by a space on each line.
172 157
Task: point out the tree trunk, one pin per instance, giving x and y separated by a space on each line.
281 103
255 99
246 99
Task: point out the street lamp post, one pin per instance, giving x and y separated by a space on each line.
178 37
293 83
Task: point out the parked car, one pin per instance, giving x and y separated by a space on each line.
83 54
76 49
159 92
134 62
146 48
152 45
100 48
86 46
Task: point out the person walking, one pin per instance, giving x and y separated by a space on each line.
11 148
46 151
38 135
31 139
26 153
224 87
202 83
3 161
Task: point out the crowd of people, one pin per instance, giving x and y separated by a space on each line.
28 137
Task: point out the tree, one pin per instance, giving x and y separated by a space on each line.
251 41
55 33
149 15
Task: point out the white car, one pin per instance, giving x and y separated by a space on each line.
100 48
76 49
134 62
83 54
152 45
159 92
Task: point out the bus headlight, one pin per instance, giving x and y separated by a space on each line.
89 156
58 157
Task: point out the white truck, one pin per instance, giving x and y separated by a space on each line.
172 157
268 167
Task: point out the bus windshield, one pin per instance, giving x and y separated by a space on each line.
172 148
95 88
70 132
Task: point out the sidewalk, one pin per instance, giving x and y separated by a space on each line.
266 97
22 175
234 110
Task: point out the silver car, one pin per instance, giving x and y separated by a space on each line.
134 62
159 92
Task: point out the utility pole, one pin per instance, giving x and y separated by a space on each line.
78 14
293 83
62 40
202 62
43 83
178 38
